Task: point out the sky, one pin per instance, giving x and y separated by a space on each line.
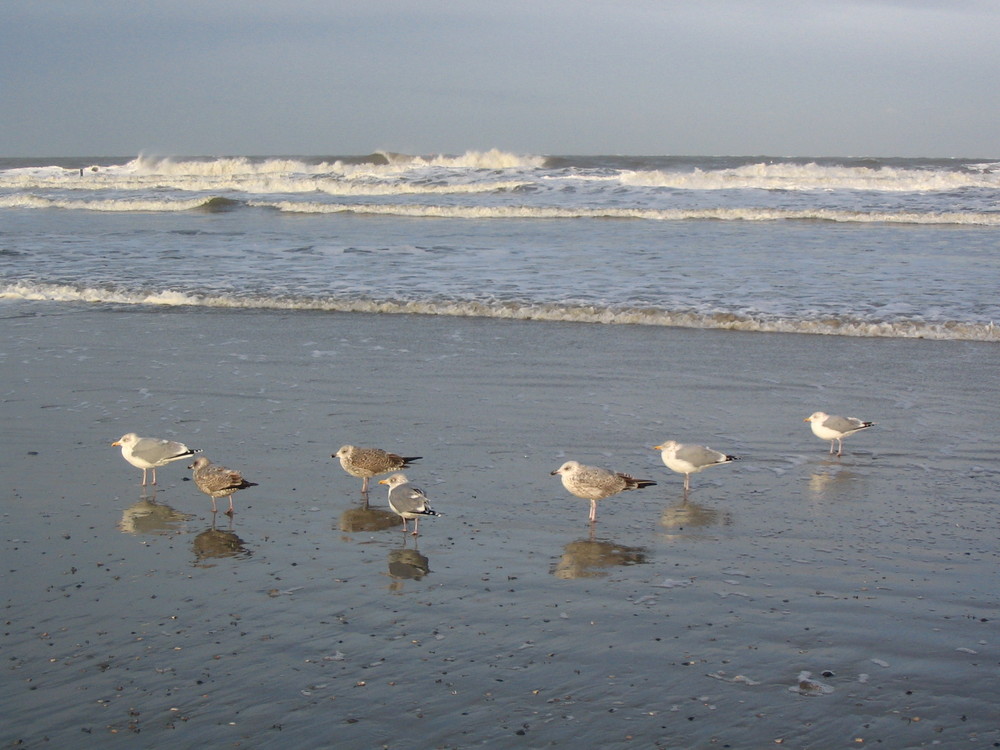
341 77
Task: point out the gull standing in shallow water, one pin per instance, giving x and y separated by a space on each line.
834 428
148 453
690 459
218 481
370 462
407 501
593 483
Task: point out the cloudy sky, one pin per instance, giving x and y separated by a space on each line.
778 77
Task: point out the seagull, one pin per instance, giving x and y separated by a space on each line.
833 428
148 453
407 501
218 481
593 483
370 462
690 459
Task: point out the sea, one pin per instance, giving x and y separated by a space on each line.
871 247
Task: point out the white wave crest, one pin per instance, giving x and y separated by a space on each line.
649 214
812 176
123 205
952 330
491 159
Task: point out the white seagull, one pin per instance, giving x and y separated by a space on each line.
690 459
834 428
594 483
148 453
407 501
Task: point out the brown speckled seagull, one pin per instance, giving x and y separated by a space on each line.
370 462
593 483
218 481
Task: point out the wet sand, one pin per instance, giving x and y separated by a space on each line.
309 621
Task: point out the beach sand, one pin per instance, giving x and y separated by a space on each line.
306 621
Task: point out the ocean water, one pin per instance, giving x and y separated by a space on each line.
857 247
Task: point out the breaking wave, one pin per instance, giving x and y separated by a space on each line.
717 214
570 313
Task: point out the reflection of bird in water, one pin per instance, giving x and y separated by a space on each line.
690 459
686 514
148 453
218 481
407 501
370 462
367 519
213 543
408 563
150 517
835 429
594 483
587 558
832 478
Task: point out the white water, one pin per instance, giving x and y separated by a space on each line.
860 247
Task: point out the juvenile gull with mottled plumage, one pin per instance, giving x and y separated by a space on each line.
370 462
218 481
594 483
690 459
835 429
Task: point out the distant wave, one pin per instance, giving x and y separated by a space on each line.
416 210
954 330
386 173
718 214
812 176
206 202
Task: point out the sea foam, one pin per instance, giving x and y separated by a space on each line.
509 310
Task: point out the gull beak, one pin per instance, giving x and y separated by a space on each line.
553 472
657 447
383 481
806 419
117 443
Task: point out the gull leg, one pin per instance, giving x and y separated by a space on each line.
840 447
687 482
231 511
416 525
364 486
214 509
154 475
143 477
593 511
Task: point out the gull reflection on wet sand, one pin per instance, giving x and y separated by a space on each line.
214 543
591 558
680 518
150 517
830 478
406 564
364 518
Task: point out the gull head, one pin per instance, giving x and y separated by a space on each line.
567 468
344 451
395 480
